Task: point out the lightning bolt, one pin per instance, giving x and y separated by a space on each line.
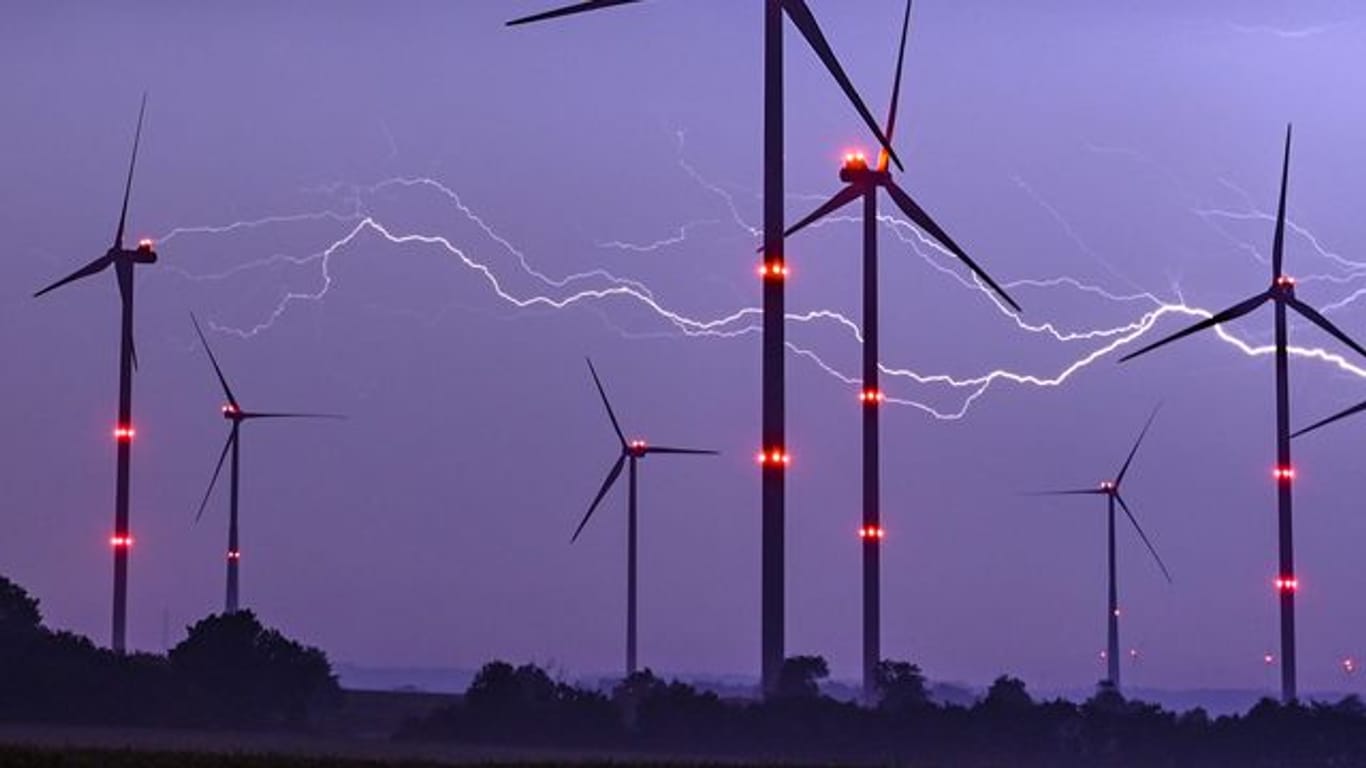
596 286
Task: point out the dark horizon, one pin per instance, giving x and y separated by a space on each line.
431 528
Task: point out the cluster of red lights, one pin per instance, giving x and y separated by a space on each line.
1287 584
229 408
146 243
773 270
871 396
775 457
872 532
1284 474
1349 665
1285 281
855 159
124 433
234 555
120 542
637 445
1108 485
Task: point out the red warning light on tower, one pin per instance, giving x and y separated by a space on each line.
1287 584
773 270
774 457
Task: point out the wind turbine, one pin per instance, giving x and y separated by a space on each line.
1282 296
862 182
1110 490
123 261
631 452
773 455
234 413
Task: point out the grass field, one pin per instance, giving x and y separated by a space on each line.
43 746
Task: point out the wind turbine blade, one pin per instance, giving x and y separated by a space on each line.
1313 316
124 270
250 415
691 451
842 198
1144 536
1077 492
232 436
923 220
1232 313
805 22
1278 245
569 10
606 404
94 267
896 84
128 186
217 370
1342 415
1124 469
606 486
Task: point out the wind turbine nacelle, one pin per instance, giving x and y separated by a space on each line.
145 252
860 173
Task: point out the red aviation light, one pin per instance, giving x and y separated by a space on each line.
229 408
871 396
1285 281
1283 474
1269 659
234 554
1133 654
1287 584
1108 485
1116 612
855 159
1104 655
146 244
773 270
872 532
1349 665
124 433
775 457
120 542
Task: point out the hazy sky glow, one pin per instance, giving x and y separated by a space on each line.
409 214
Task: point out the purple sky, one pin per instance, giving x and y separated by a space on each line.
1132 150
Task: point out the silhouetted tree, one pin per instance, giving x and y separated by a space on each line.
900 686
1007 694
246 673
801 676
18 610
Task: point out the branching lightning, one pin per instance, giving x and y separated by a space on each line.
599 285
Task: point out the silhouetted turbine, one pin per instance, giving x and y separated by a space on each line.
234 413
862 182
1110 490
123 261
773 452
1282 296
631 451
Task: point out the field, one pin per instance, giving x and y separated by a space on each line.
44 746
